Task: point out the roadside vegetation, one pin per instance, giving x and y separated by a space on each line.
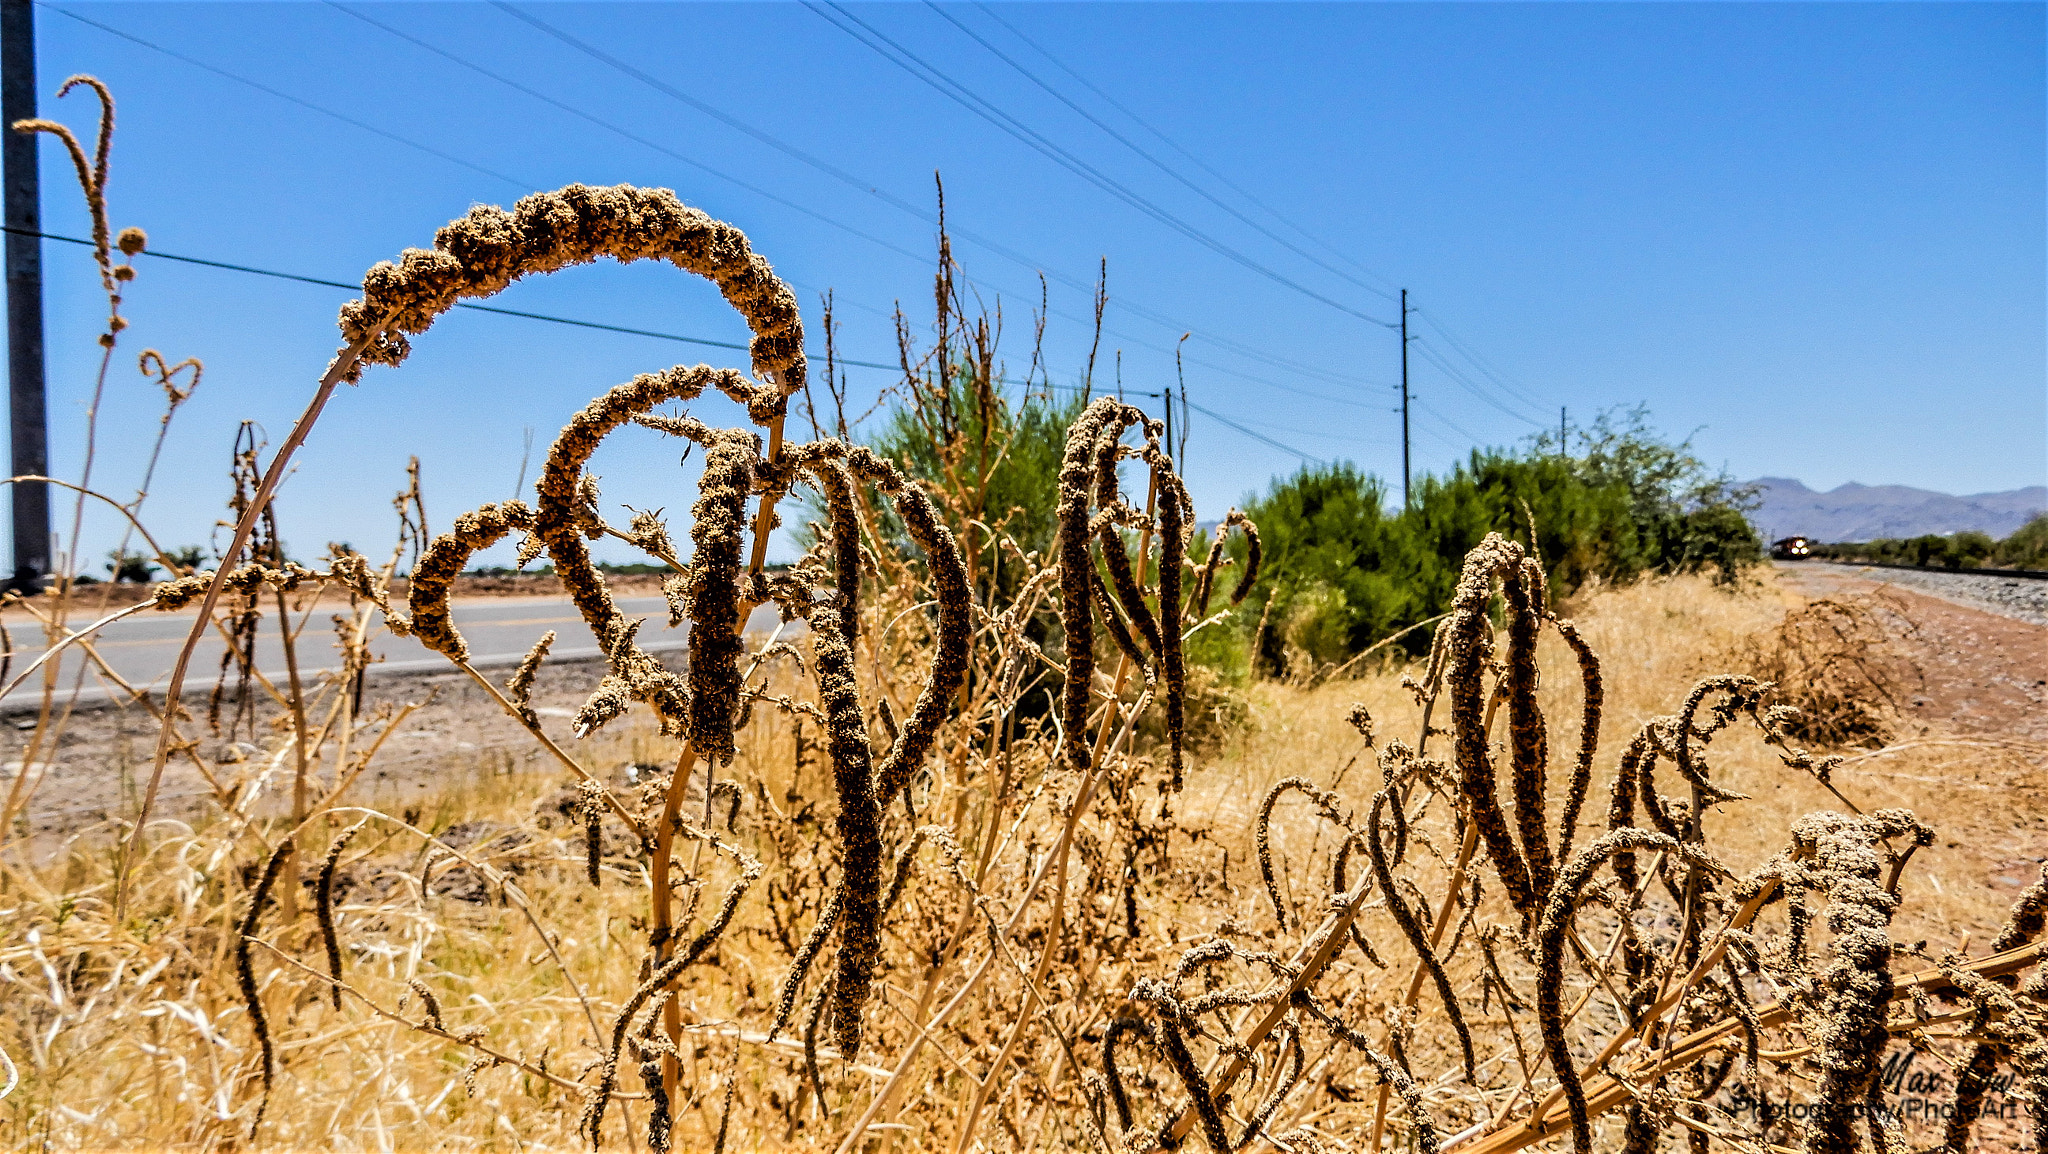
995 844
2026 548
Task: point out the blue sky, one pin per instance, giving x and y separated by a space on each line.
1813 233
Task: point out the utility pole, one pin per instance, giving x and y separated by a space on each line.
1404 398
26 409
1560 432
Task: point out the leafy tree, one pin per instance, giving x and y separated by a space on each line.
130 568
2027 548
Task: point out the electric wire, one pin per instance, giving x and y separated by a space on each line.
852 181
1161 165
1388 290
765 138
960 94
286 96
1430 354
429 150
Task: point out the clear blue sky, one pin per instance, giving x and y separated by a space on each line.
1815 233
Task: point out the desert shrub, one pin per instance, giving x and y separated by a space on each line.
2027 548
1838 661
1343 573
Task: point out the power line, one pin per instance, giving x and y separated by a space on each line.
800 155
572 321
1388 290
654 334
529 185
1430 354
307 104
1470 438
1220 419
1153 160
1476 361
960 94
626 134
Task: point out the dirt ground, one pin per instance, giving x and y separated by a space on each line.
1980 673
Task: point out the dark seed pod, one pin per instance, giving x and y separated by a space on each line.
1418 937
1589 734
1550 937
590 802
1175 509
718 529
519 688
1470 653
323 904
1528 743
245 975
859 828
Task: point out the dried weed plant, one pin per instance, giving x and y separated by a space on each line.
941 914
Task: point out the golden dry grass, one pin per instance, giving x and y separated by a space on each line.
926 880
139 1040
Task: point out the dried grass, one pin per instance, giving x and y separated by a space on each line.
1087 959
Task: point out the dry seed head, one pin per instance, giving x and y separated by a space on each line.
859 828
719 520
429 1004
1471 651
1550 935
245 975
1411 925
1589 733
800 965
519 687
1325 803
590 803
1175 515
1390 1071
948 575
483 252
558 524
1856 985
433 578
1173 1046
92 174
323 904
591 1120
1528 741
1104 417
1112 1076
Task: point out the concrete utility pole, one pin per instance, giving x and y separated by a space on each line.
1404 398
26 409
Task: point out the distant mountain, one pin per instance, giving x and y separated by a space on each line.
1856 512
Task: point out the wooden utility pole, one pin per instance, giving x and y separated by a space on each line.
26 409
1404 398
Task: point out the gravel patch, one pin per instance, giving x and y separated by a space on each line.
2024 598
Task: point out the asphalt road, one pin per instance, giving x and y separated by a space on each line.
499 631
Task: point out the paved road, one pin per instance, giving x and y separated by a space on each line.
499 630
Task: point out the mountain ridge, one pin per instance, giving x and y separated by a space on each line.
1857 512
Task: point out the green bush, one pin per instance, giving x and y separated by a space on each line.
2027 548
1342 573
